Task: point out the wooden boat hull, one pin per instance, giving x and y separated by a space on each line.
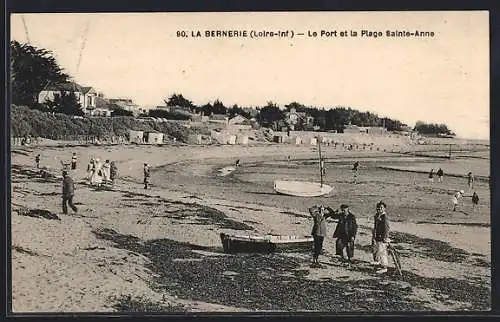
301 188
265 244
225 171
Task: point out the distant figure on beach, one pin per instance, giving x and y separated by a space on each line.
237 164
431 175
96 178
68 191
106 172
113 172
319 214
73 161
355 170
475 202
37 160
380 238
470 180
147 176
456 197
90 168
440 175
345 232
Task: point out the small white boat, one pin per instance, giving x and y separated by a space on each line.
225 171
301 188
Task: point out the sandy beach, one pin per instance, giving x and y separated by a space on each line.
159 249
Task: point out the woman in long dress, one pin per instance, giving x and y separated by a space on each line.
90 169
106 167
96 179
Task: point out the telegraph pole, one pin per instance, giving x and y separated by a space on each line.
321 165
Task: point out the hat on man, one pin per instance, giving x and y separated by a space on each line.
65 173
344 206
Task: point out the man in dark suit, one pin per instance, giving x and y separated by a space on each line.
345 232
68 191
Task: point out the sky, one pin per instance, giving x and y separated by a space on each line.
439 79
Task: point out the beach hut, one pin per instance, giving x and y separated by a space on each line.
242 139
298 140
136 136
155 138
231 139
314 141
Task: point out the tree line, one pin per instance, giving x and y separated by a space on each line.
35 69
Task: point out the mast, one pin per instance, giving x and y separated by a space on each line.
320 162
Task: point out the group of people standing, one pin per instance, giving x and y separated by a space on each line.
346 231
99 173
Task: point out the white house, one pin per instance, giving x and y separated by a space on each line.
85 95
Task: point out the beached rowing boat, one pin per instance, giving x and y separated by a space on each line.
265 244
225 171
301 188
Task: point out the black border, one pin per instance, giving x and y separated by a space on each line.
32 6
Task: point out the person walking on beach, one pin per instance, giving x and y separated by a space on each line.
147 176
470 181
68 191
440 175
113 172
455 199
37 160
73 161
345 232
431 175
381 238
319 214
475 202
106 172
355 170
90 169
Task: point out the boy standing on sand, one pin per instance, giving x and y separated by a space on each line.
475 201
37 160
147 175
440 175
73 161
381 238
470 180
68 191
455 198
355 169
318 232
431 175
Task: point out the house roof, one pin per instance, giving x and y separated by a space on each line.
219 117
101 102
87 89
70 87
